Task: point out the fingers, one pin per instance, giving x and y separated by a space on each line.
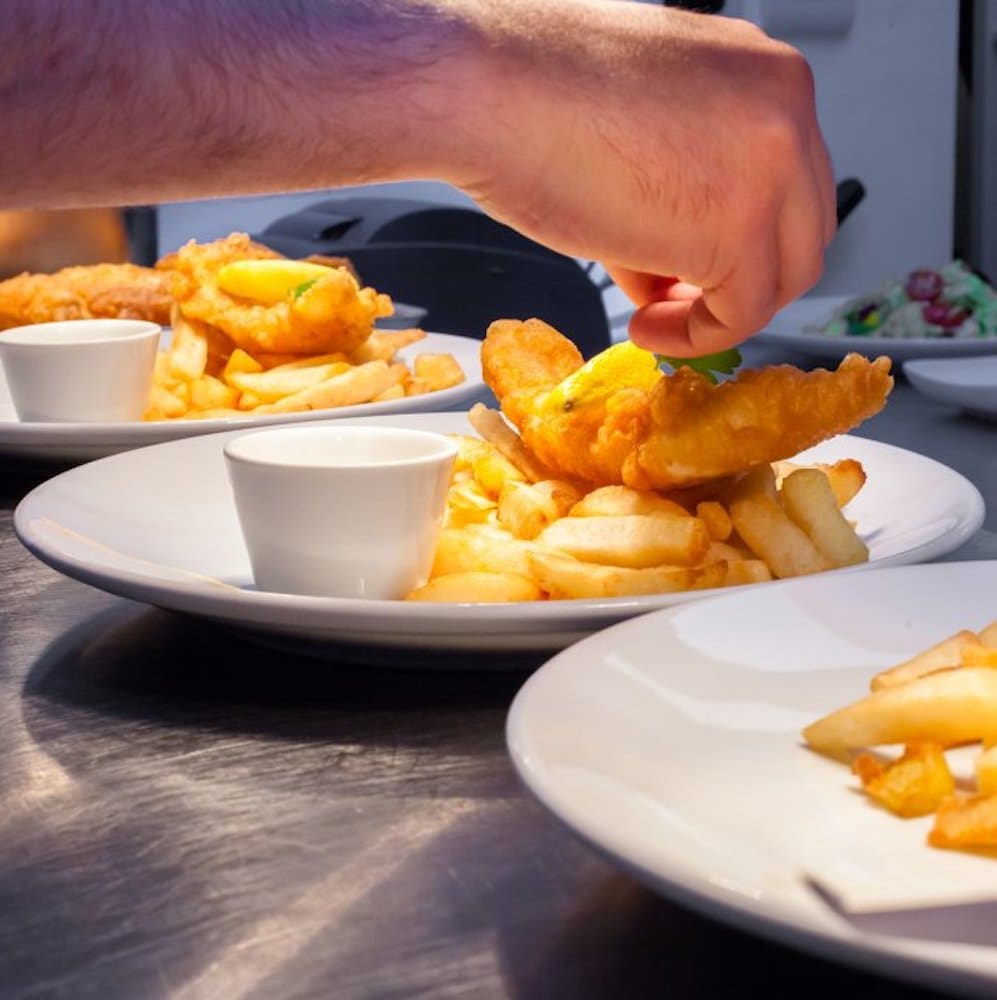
641 287
713 319
683 320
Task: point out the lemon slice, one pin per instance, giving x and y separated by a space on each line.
622 366
267 281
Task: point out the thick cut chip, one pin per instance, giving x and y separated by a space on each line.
564 577
491 425
480 549
526 509
809 501
636 541
942 656
768 531
355 385
610 500
277 383
948 708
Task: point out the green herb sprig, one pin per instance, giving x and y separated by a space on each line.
710 365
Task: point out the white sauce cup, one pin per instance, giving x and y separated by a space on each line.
81 370
341 511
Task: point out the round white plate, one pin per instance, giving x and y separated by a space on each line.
791 329
969 383
76 441
672 744
159 525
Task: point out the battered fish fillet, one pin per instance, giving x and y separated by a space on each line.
681 431
333 314
97 291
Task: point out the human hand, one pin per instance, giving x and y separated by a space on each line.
681 150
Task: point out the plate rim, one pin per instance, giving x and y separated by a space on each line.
706 897
70 438
416 619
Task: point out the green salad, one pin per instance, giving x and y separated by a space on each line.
952 301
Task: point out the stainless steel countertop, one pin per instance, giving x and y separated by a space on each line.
185 815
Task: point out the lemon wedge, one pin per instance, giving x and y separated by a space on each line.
267 281
622 366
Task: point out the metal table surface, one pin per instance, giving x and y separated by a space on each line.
184 815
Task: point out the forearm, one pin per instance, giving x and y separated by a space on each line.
132 101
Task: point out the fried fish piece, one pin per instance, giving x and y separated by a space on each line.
667 431
97 291
330 314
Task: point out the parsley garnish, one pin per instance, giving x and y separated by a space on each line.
709 365
300 290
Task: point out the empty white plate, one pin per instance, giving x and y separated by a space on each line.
968 383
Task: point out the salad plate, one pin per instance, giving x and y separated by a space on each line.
944 313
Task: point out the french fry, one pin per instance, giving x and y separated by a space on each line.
611 500
491 425
479 548
395 391
164 405
564 577
240 362
635 541
986 771
485 588
988 634
355 385
716 519
948 708
978 655
383 345
846 476
526 509
278 383
188 351
467 503
944 655
743 571
438 371
809 501
767 530
313 361
493 470
210 393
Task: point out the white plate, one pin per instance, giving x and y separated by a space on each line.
790 330
75 442
159 525
969 383
672 744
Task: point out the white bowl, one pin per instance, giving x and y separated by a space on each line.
340 511
85 370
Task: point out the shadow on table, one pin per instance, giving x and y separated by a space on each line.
360 827
162 691
662 949
19 476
